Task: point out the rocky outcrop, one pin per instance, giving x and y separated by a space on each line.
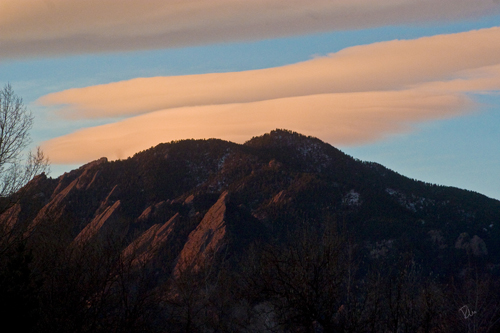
9 219
107 226
70 195
476 245
280 198
148 246
206 240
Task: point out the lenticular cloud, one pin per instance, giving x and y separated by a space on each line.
31 28
358 95
384 66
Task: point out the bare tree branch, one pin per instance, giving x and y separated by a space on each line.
16 168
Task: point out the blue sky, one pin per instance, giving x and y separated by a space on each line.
457 147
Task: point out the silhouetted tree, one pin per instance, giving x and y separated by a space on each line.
15 123
18 288
19 291
310 282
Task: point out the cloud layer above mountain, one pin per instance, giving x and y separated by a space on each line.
354 96
385 66
30 28
344 118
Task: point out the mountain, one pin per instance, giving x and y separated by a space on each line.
186 205
265 186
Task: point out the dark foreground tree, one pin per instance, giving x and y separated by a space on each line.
18 288
19 291
308 284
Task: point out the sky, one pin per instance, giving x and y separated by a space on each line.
411 84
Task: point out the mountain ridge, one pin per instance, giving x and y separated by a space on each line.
278 176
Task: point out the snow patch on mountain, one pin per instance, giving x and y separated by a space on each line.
411 202
352 198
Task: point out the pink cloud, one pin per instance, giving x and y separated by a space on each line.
30 28
344 118
358 95
392 65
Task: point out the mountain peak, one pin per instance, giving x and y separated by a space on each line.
280 138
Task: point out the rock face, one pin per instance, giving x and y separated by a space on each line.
104 224
186 204
206 240
476 245
147 247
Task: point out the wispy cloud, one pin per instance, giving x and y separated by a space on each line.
391 65
343 118
357 95
31 28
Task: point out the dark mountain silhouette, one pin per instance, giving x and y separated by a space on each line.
186 205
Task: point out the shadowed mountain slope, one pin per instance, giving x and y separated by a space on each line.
184 203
